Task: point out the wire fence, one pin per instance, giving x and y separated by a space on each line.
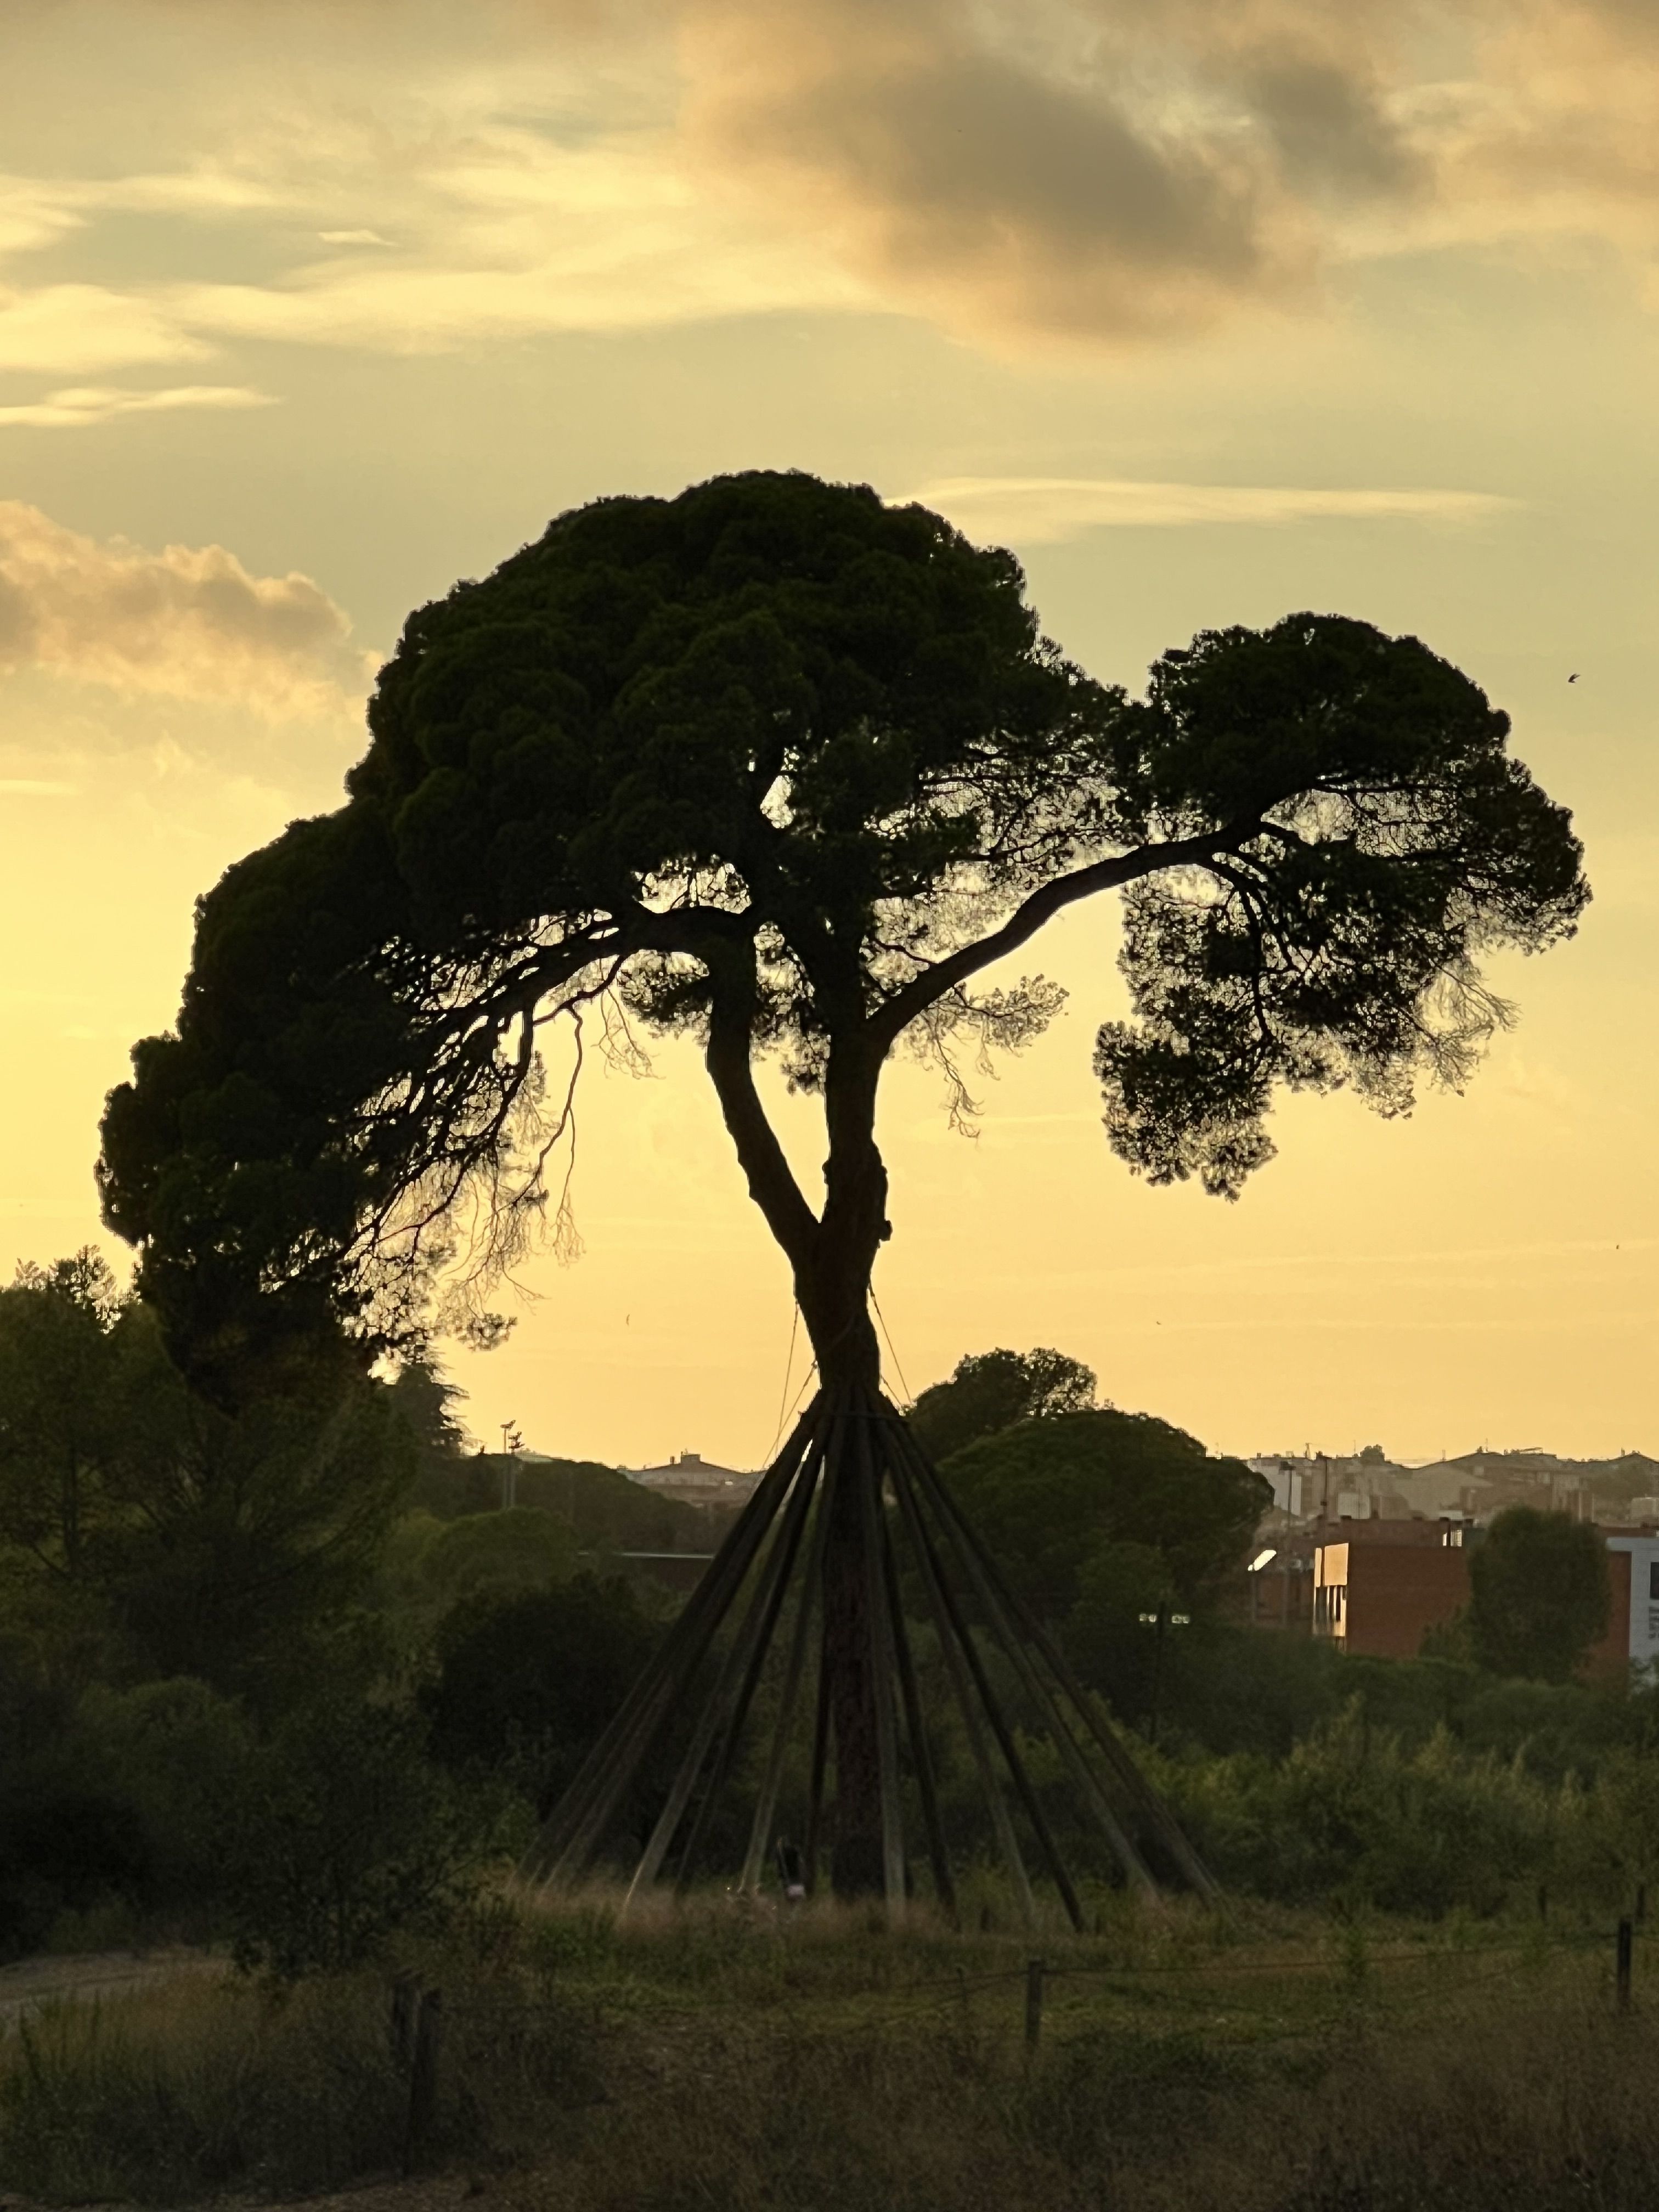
1344 1968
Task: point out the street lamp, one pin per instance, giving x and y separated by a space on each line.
512 1441
1160 1622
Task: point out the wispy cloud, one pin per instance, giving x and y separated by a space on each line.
1044 510
190 622
87 327
82 405
27 786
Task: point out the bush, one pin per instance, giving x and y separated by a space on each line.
341 1832
525 1685
203 2086
175 1753
1354 1813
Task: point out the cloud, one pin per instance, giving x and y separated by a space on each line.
985 188
34 786
189 622
1045 510
1090 172
1094 170
80 405
87 327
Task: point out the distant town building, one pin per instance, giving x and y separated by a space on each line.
1382 1585
1381 1592
695 1481
1632 1636
1329 1486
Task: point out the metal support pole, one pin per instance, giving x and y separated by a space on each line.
920 1755
950 1651
1047 1709
815 1787
776 1572
1140 1791
795 1667
742 1664
577 1824
1004 1734
881 1663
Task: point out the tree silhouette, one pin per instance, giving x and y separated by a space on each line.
1538 1594
780 766
990 1390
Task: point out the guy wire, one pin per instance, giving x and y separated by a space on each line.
882 1318
783 1407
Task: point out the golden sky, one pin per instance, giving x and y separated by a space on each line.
1213 309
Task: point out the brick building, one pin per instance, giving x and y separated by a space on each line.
1382 1585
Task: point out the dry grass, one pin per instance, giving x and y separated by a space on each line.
713 2057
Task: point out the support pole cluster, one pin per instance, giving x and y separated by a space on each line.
770 1574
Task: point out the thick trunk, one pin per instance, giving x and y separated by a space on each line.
848 1355
831 1255
834 1290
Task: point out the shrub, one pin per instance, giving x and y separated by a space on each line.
341 1832
525 1684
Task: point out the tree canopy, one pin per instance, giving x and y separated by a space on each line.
136 1517
991 1390
1059 1500
790 769
1538 1594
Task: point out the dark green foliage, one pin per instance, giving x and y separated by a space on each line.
424 1405
770 683
1356 1813
252 1535
604 1510
495 1555
1538 1596
339 1833
156 1533
1106 1501
68 1401
1396 843
991 1390
792 767
525 1684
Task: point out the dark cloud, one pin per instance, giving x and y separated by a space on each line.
1331 131
1103 168
1002 192
969 171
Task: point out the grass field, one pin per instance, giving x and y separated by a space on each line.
712 2055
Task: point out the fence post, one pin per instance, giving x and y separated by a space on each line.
1034 1973
405 2003
426 2042
1623 1965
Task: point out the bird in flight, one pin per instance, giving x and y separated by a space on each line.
1573 678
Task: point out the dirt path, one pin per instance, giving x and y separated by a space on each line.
32 1982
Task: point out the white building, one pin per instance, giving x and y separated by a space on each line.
695 1481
